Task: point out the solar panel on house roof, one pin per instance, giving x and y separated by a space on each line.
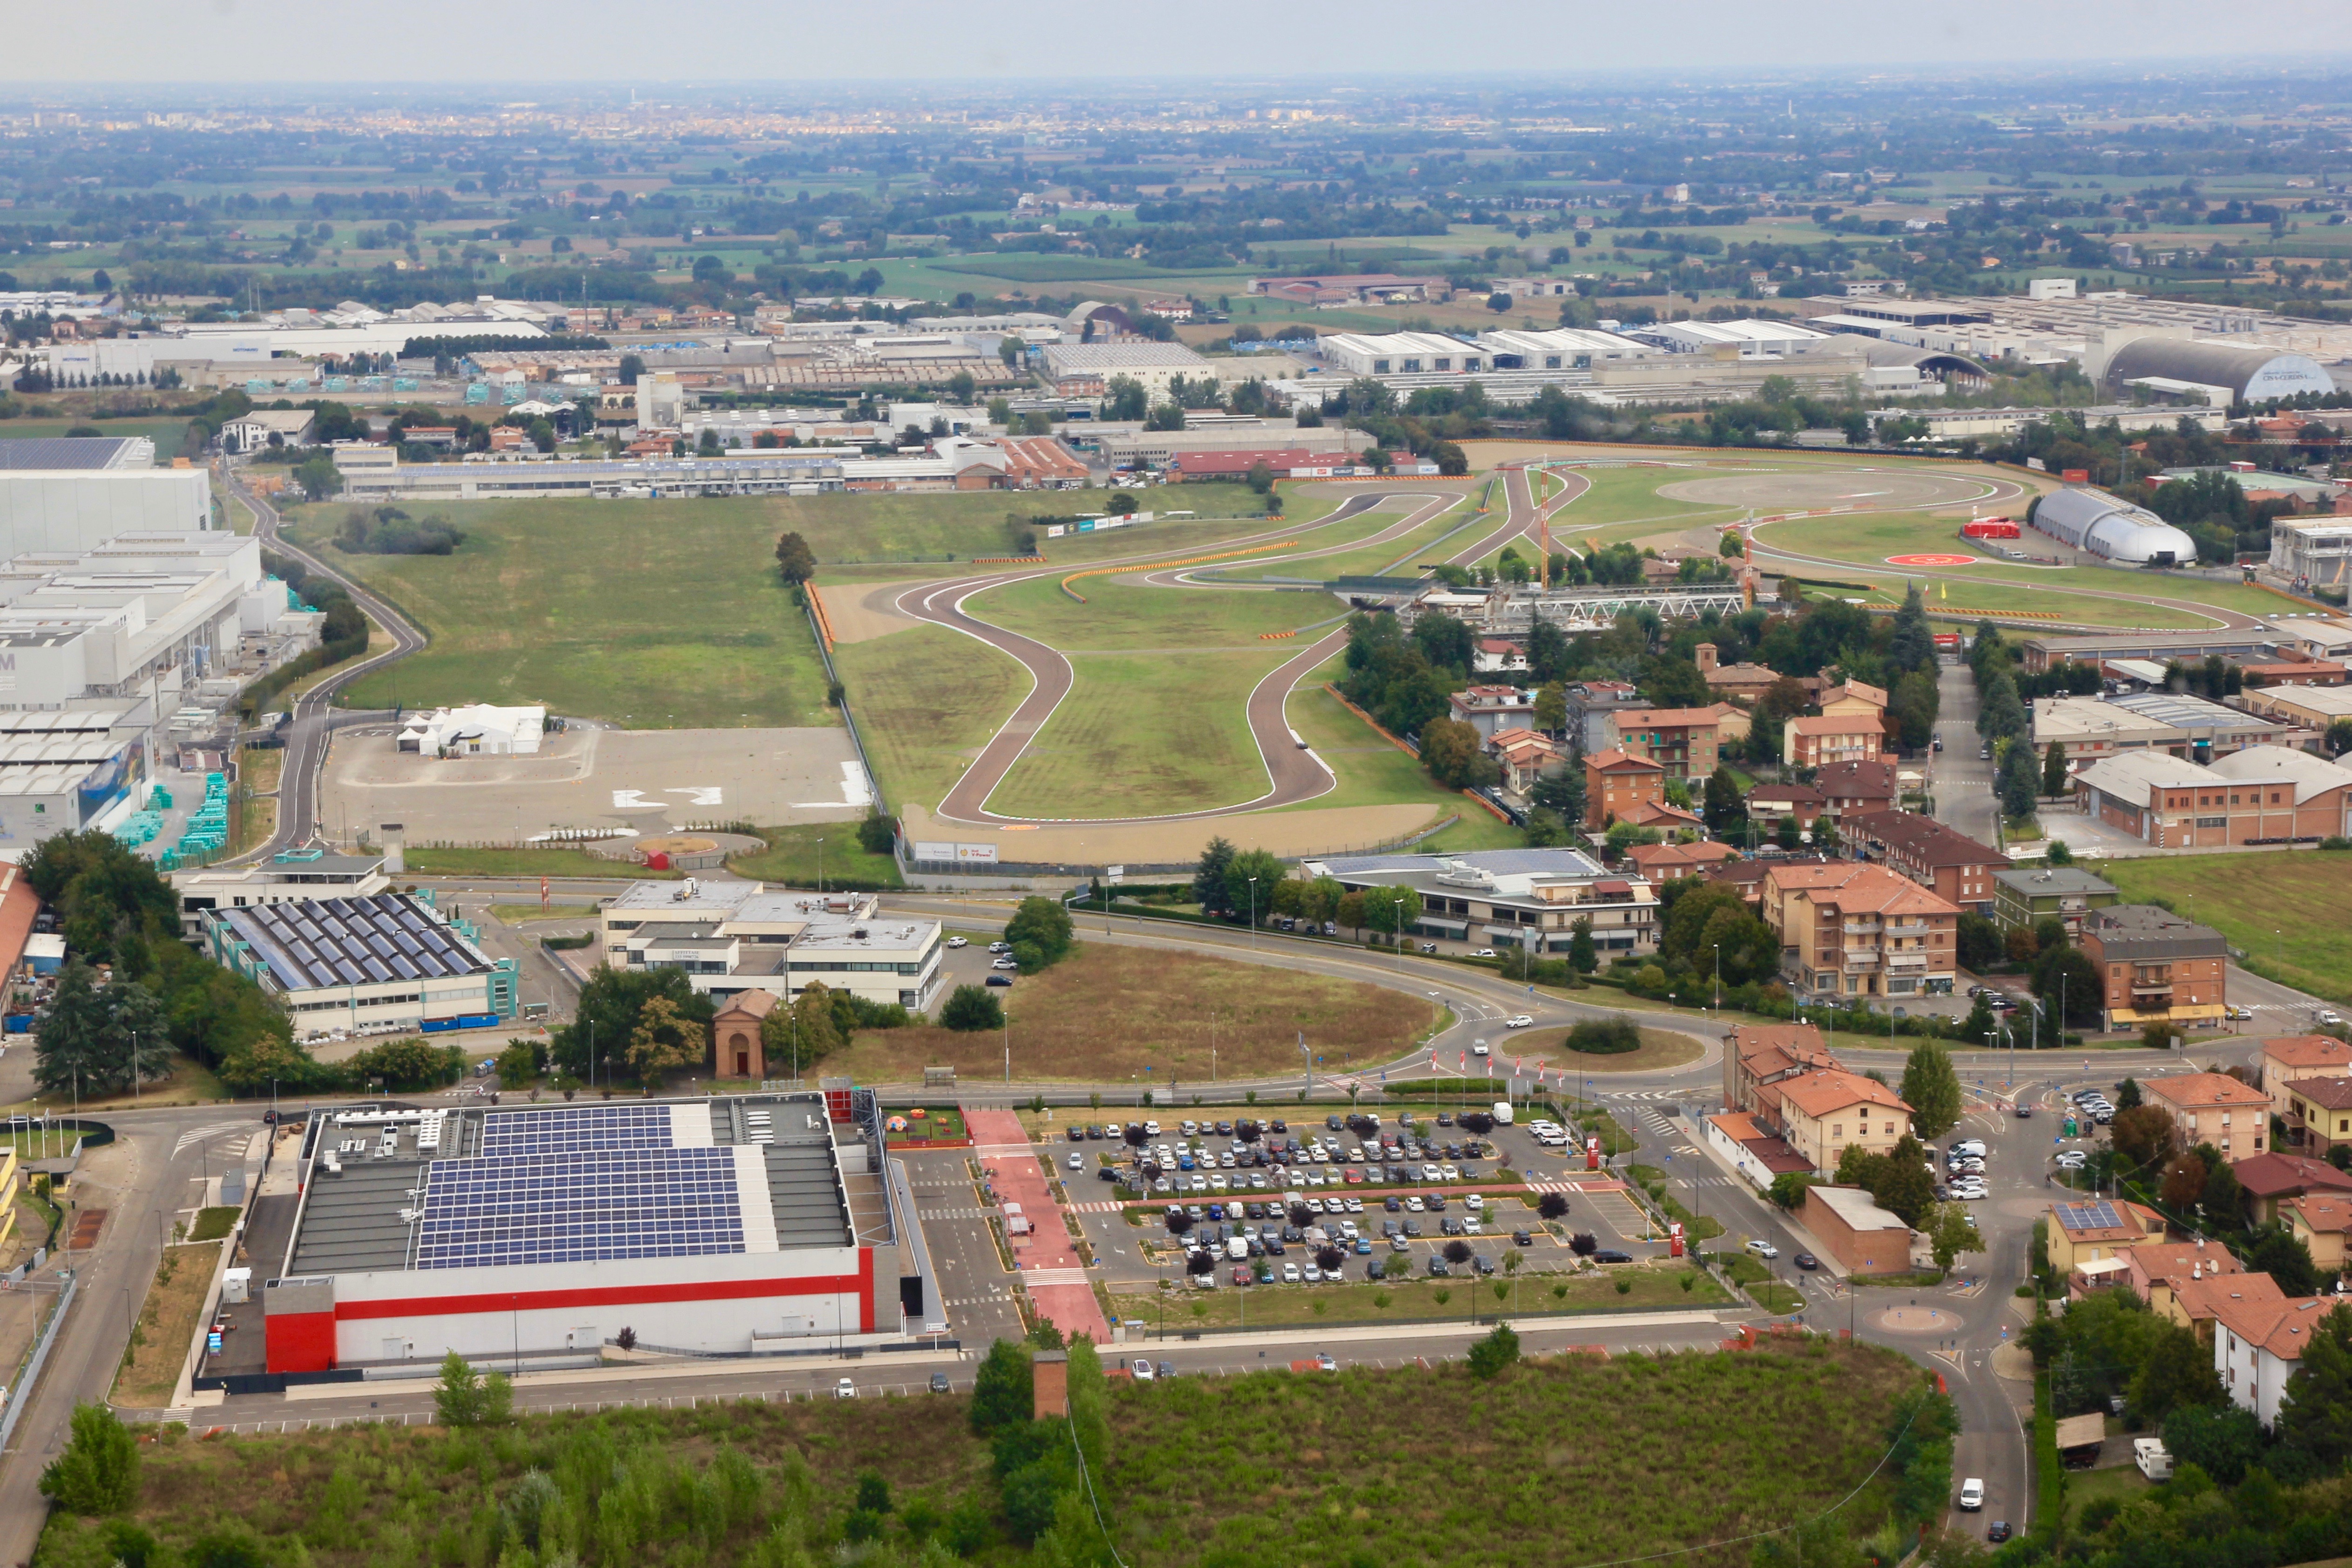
2098 1214
578 1207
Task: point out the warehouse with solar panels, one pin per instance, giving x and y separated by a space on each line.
533 1236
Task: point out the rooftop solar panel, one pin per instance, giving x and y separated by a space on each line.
571 1206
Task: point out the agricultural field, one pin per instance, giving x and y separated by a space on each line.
1105 1015
2242 897
655 616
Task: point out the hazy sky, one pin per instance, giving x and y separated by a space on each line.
451 41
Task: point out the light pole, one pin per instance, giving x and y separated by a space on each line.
820 868
1397 931
1719 975
1252 912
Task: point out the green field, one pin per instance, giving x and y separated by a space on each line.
1127 613
795 857
876 531
1399 556
1374 772
652 615
1409 1297
926 699
2287 911
1143 734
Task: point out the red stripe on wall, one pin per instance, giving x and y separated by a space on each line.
866 1289
621 1295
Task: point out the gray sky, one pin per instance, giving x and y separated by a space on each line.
455 41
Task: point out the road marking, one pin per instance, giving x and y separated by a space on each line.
190 1139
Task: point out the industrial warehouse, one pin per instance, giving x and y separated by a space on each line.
542 1235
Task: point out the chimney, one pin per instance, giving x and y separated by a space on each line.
393 836
1049 1385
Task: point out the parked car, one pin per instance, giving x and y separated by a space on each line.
999 980
1610 1255
845 1389
958 941
939 1383
1142 1368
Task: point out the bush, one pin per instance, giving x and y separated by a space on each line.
99 1472
971 1008
1605 1036
1498 1350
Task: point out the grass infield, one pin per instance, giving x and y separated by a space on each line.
2244 897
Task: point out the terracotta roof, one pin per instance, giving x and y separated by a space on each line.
2194 1089
2276 1175
1650 813
2204 1298
1879 890
2327 1213
2283 1327
1838 724
1818 1094
2173 1264
1923 839
2327 1093
1607 761
1872 777
2307 1052
1800 1042
1794 794
1652 858
1868 693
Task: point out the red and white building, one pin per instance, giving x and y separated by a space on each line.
540 1233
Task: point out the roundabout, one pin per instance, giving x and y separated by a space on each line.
1917 1320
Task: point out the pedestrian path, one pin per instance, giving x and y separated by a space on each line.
1048 1262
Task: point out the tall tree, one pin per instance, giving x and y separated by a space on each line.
98 1474
2175 1370
1727 809
1951 1231
794 559
1931 1086
664 1038
2053 770
1912 644
1252 866
2003 715
2316 1416
1551 707
1041 932
1208 877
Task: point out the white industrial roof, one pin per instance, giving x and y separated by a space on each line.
1393 344
2131 776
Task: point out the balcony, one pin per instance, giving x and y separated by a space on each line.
1860 928
1909 928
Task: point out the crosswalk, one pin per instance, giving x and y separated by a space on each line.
202 1134
956 1213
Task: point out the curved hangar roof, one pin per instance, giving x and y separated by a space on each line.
2254 371
2097 522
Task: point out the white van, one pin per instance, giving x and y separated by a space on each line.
1501 1113
1237 1250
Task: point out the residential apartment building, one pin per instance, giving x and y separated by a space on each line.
1819 740
2257 1345
2269 1179
1825 1113
1663 862
1760 1055
1522 897
2321 1108
2291 1059
1957 867
1525 756
1682 740
2214 1108
1857 788
2319 1223
2156 1271
1769 802
1489 708
2081 1233
2022 897
2156 968
1850 930
2197 1303
1619 786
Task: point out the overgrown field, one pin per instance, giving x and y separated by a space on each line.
2247 897
1563 1461
1553 1463
650 614
1108 1014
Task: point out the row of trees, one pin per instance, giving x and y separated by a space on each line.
1222 886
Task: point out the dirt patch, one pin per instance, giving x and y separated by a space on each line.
166 1322
1338 830
1106 1014
860 612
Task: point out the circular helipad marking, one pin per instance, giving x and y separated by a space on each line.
1931 560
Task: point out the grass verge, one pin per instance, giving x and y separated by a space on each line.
1415 1299
926 699
524 863
794 857
167 1322
214 1222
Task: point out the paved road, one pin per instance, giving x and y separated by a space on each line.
314 715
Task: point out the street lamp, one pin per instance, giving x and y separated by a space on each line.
1396 932
1719 975
1253 911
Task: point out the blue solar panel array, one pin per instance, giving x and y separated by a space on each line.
576 1129
589 1206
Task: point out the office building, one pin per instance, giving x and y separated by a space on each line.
1525 897
292 876
732 937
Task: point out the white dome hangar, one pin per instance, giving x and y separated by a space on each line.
2094 522
2253 373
